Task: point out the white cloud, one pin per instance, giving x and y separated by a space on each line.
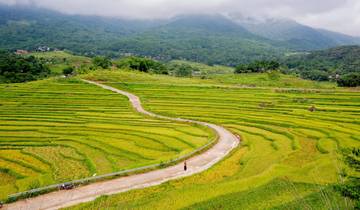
339 15
344 19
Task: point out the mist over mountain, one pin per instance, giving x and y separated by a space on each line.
297 36
213 39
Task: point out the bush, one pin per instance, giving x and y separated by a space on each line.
102 62
182 70
34 184
142 64
257 67
68 71
351 188
316 75
274 75
349 80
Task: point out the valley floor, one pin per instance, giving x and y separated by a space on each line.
226 143
59 130
290 157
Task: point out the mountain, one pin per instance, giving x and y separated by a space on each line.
209 39
294 34
339 38
28 28
212 39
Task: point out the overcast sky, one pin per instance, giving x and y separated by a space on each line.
338 15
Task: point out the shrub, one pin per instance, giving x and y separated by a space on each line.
315 75
103 62
34 184
68 71
349 80
182 70
142 64
351 188
274 75
257 67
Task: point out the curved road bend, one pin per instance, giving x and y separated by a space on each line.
60 199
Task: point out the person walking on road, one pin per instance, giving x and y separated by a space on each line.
185 166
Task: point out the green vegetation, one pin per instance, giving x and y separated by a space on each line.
207 39
102 62
14 68
351 188
289 158
177 68
211 39
326 64
57 61
141 64
349 80
300 138
68 71
205 69
182 69
257 67
58 130
238 80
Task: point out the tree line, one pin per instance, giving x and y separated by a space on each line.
342 77
15 68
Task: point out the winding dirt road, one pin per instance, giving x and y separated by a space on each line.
59 199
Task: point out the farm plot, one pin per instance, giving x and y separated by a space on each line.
58 130
288 159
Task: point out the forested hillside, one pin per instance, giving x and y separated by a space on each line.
14 68
211 39
29 28
207 39
339 60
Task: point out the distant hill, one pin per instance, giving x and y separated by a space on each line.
211 39
324 63
295 35
207 39
29 28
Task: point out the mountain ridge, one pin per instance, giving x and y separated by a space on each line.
212 39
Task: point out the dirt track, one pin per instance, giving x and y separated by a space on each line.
59 199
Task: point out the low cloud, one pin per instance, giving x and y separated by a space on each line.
339 15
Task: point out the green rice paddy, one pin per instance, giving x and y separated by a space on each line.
59 130
289 157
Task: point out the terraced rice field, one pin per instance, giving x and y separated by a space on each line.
288 159
59 130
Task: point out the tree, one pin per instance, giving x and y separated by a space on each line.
103 62
15 68
315 75
68 71
257 67
142 64
241 68
273 65
349 80
182 70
